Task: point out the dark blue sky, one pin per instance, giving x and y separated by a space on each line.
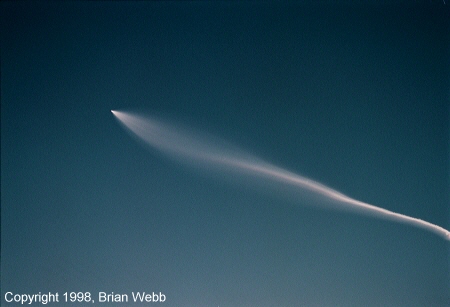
355 96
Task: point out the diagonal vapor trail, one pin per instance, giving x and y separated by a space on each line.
190 146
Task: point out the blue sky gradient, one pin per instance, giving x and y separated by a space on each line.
353 95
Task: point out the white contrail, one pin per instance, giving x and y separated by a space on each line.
183 144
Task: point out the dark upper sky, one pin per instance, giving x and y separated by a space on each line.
355 96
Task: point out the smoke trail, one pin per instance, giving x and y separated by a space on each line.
205 149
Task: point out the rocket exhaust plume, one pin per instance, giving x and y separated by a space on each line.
192 147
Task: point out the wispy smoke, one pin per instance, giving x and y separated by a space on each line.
191 146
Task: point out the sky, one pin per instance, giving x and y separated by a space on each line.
353 95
